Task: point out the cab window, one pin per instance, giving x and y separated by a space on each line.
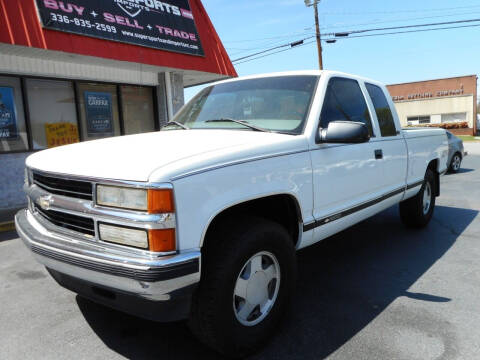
344 101
382 109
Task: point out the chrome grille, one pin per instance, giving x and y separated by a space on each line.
66 187
76 223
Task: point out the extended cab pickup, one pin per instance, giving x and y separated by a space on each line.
202 219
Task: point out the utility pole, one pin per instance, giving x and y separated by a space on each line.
317 30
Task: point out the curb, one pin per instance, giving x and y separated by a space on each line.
7 226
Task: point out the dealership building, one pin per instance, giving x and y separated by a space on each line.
86 69
449 102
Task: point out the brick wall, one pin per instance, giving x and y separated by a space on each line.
464 131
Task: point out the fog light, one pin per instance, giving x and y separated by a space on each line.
124 236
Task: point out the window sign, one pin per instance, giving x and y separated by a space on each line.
157 24
98 110
62 133
8 116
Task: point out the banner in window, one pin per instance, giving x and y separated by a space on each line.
8 115
156 24
98 111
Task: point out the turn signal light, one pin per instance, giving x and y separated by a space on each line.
162 240
160 201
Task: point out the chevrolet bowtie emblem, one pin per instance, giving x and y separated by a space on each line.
45 202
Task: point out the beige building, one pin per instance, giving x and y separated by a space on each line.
448 102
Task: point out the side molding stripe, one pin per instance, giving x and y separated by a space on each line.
329 219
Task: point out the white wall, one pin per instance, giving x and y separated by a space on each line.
436 107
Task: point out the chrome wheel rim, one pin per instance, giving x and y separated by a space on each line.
456 162
427 197
256 288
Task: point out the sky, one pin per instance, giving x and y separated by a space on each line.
249 26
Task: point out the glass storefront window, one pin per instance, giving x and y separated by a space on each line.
137 109
13 134
53 117
98 106
62 112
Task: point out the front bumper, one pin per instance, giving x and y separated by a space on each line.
151 279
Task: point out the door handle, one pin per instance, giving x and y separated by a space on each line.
378 154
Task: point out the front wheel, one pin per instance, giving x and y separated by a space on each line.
417 211
247 281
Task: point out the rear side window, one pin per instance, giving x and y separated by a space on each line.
344 101
384 114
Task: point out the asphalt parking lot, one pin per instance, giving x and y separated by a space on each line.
375 291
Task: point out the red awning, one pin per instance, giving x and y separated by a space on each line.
20 25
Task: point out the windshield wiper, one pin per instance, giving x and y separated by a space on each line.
241 122
176 123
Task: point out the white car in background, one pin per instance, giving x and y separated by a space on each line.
456 152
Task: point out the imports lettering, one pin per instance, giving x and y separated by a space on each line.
134 7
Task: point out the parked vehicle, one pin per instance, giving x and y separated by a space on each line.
202 220
456 152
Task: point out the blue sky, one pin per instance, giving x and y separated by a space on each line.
248 26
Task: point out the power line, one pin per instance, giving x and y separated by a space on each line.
403 32
358 36
276 52
347 33
334 26
407 26
397 11
291 44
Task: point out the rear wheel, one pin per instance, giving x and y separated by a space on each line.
247 282
417 211
455 163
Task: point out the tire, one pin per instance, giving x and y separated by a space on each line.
217 316
455 163
417 211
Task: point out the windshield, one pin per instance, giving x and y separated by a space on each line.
277 104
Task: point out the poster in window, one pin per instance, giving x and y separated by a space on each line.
62 133
8 115
98 110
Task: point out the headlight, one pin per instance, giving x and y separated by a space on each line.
128 198
151 200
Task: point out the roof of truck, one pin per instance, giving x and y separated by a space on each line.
297 73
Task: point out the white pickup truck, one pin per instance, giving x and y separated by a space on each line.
202 219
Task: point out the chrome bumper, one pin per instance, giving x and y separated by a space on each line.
153 278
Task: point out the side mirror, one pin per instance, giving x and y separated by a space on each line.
347 132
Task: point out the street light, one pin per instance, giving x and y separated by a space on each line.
314 3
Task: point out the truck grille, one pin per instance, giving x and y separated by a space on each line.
68 221
66 187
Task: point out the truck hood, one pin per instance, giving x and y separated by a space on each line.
161 156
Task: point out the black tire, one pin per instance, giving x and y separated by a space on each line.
412 211
213 318
455 163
